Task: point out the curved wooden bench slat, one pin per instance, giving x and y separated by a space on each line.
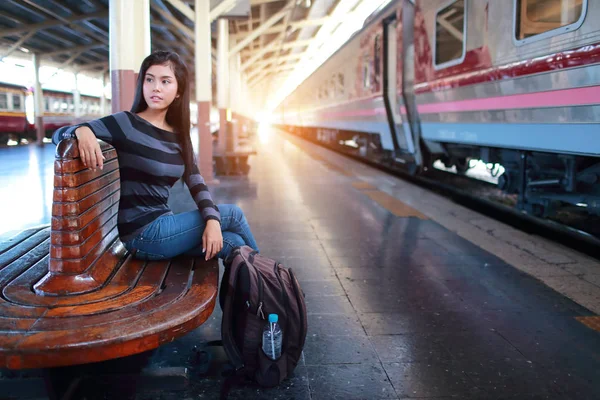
24 248
123 280
168 297
164 301
120 337
148 286
17 239
72 293
92 279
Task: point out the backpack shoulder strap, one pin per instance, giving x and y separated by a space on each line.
229 345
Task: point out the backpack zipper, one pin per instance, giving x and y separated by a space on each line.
259 310
298 299
286 300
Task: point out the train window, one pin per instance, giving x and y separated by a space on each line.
340 83
16 102
366 72
3 101
544 18
450 28
333 85
377 54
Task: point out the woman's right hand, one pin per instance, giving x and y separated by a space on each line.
89 149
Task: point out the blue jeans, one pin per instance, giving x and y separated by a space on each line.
181 234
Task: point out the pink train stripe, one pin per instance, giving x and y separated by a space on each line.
554 98
354 113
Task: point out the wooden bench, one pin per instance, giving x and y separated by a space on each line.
72 294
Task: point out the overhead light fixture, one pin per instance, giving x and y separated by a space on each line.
24 50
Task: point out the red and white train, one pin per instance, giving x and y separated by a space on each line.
17 116
514 83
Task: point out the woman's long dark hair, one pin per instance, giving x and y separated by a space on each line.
178 114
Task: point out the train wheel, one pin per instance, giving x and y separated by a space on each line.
462 165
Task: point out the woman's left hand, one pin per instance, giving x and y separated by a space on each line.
212 238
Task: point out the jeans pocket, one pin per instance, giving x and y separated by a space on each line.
143 255
152 231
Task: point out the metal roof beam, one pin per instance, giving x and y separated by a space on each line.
183 8
50 24
221 8
255 56
257 2
73 49
90 66
269 48
277 68
70 60
262 77
17 44
54 15
294 25
259 31
282 59
181 27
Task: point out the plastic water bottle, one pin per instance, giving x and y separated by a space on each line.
272 338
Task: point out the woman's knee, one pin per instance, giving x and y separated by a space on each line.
232 239
232 210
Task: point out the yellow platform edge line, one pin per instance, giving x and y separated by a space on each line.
361 185
393 205
592 322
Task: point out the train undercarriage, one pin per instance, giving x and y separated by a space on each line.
544 182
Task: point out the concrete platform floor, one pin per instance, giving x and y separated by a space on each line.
409 295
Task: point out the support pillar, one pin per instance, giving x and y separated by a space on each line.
129 31
203 63
77 97
38 102
103 110
222 80
234 98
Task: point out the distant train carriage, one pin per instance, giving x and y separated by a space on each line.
512 83
17 115
13 120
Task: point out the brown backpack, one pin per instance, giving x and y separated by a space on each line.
253 287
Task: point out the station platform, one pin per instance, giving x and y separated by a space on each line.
409 295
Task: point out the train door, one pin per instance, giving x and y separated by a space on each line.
411 125
390 68
407 153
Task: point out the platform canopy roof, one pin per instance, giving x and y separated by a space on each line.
272 36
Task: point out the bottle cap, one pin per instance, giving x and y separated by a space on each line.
273 318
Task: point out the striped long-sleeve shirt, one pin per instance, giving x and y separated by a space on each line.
150 163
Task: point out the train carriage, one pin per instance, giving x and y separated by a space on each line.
513 83
17 115
13 120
